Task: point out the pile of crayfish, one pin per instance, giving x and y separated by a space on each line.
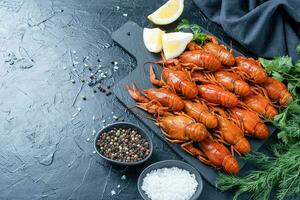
208 101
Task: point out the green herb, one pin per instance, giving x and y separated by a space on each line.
298 48
282 69
288 121
198 36
281 171
184 24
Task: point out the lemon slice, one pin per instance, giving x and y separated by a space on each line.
167 13
175 43
152 39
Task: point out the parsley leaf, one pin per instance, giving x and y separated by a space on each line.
198 36
279 64
298 48
184 24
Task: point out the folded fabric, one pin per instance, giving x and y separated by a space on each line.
267 28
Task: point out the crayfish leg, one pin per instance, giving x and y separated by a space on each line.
136 95
234 149
153 108
153 79
174 141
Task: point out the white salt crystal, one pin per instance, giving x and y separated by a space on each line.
118 7
113 192
125 14
118 186
123 177
169 184
88 139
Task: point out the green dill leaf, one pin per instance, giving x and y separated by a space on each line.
298 48
283 136
282 174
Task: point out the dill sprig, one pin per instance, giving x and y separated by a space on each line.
280 172
198 36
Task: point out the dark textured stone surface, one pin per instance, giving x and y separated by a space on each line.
45 142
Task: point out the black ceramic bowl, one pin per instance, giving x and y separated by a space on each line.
124 125
169 164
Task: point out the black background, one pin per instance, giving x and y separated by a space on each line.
46 144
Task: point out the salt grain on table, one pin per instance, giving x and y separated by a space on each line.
123 177
169 184
113 192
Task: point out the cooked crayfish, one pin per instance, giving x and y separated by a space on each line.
200 59
250 122
199 111
214 154
178 80
261 105
162 98
228 80
277 91
217 95
250 69
229 132
181 127
213 47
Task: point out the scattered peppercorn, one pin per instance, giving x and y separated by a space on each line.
83 98
125 145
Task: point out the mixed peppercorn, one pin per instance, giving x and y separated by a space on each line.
125 145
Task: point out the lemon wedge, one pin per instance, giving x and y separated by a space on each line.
167 13
152 39
175 43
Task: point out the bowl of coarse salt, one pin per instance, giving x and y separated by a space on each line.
170 180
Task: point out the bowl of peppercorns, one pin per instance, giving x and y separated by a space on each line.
123 143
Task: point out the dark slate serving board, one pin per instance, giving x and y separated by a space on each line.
130 37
